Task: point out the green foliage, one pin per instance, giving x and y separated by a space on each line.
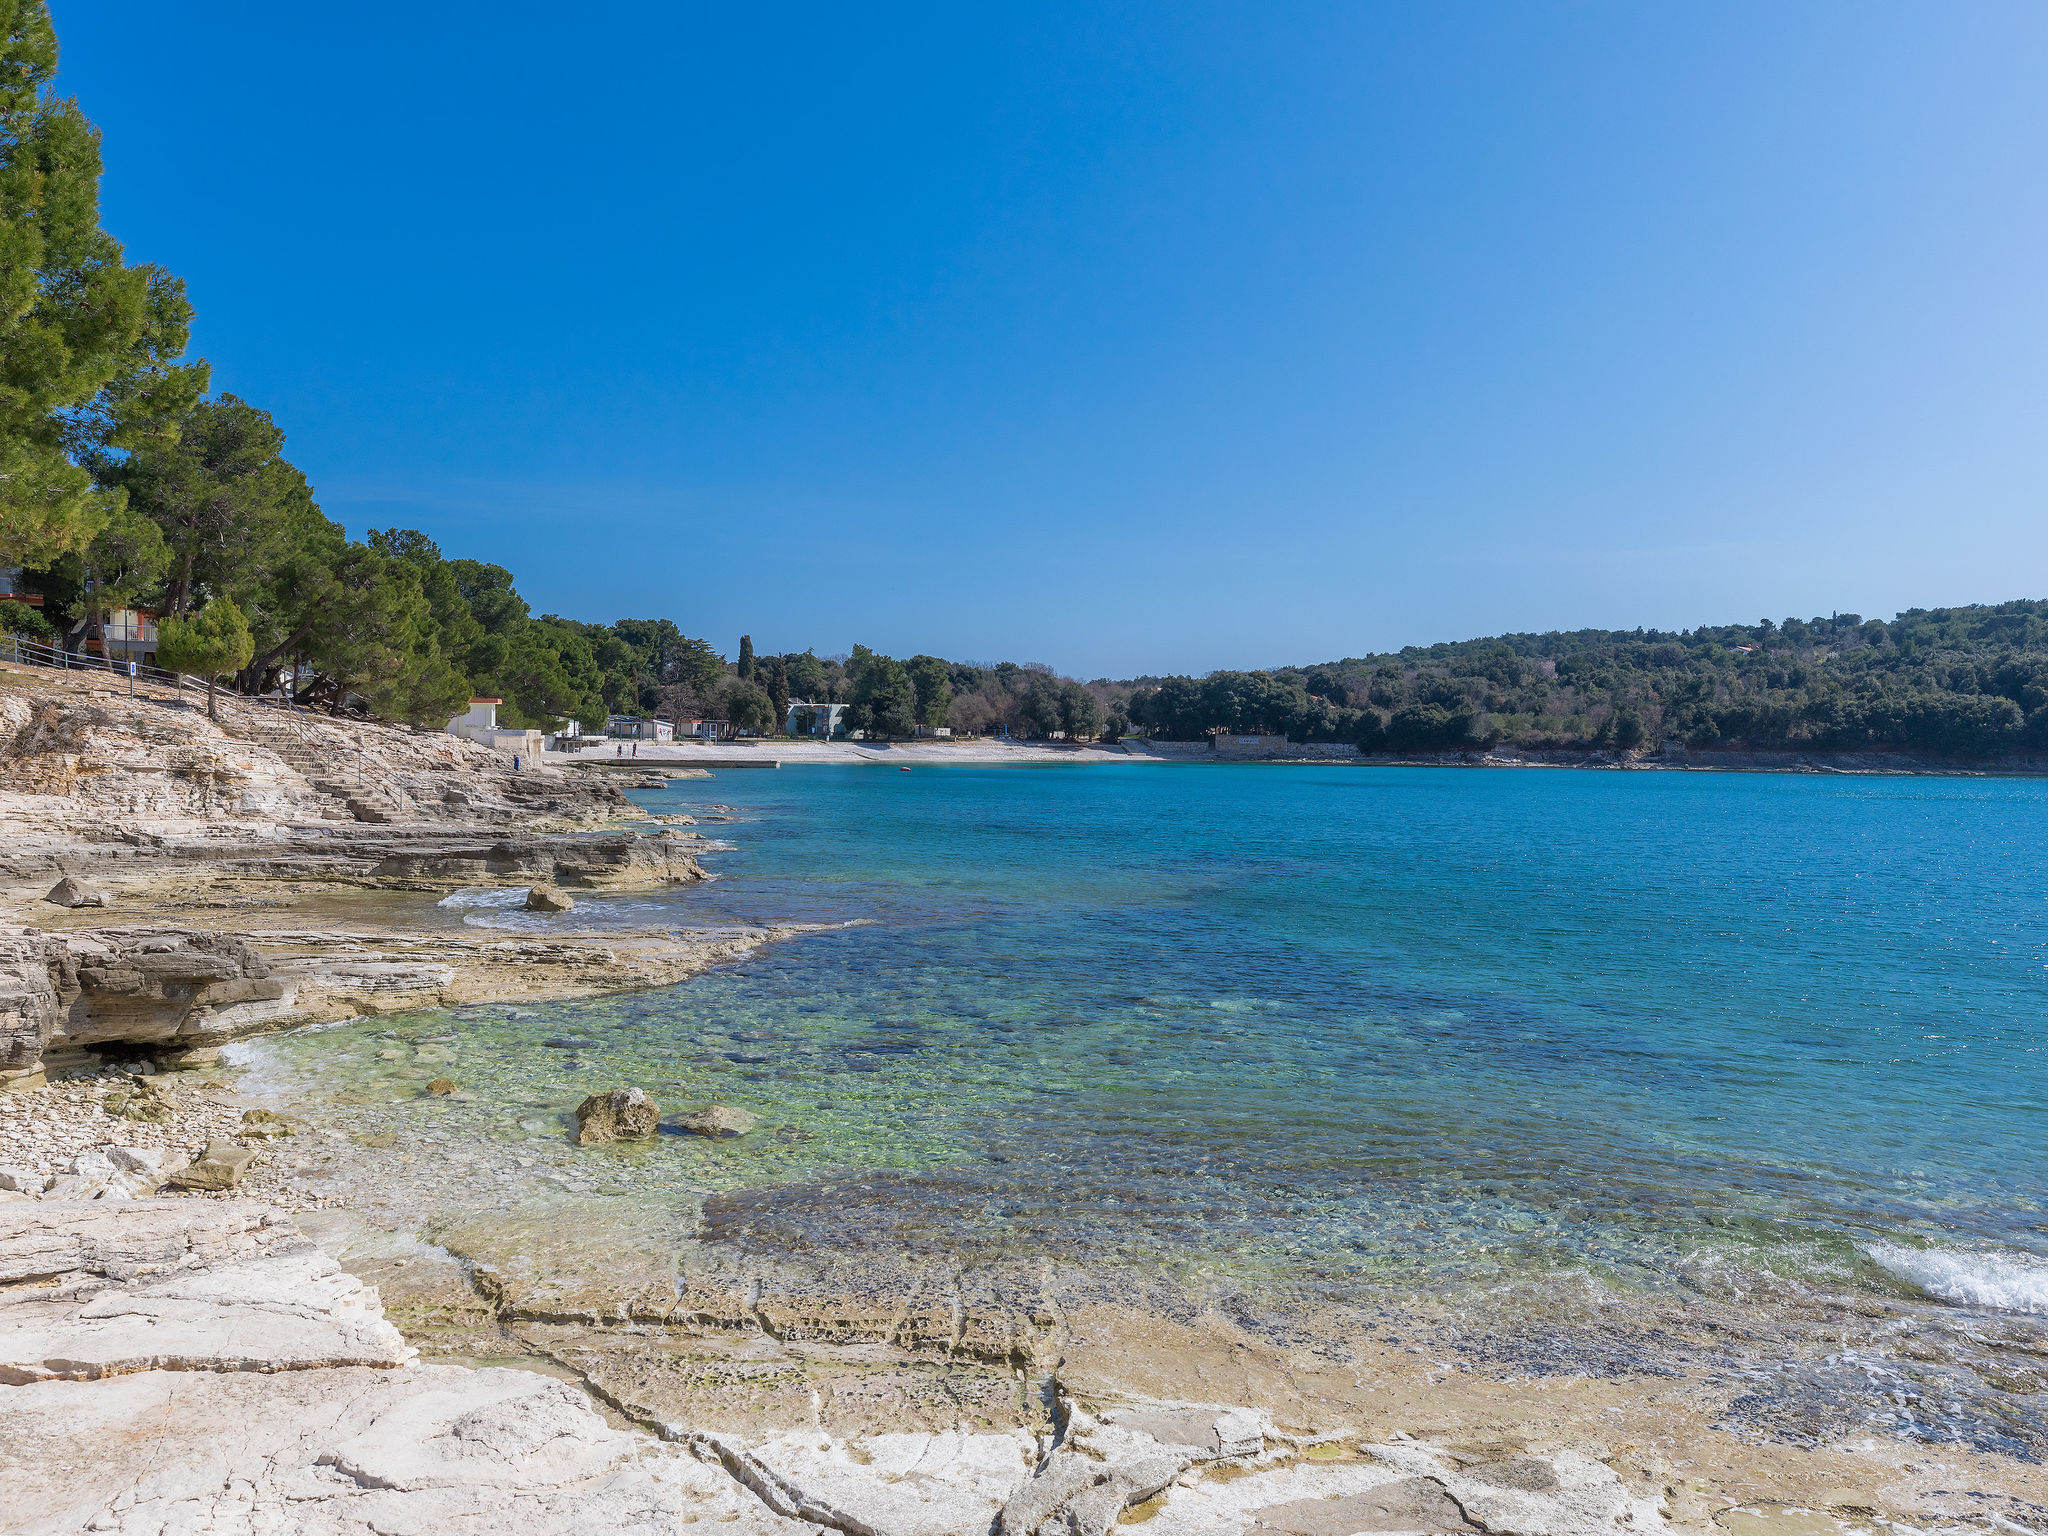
806 676
233 511
744 668
125 561
775 671
1966 683
880 695
210 645
87 343
747 706
26 621
213 643
933 681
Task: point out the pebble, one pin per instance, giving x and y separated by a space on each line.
44 1129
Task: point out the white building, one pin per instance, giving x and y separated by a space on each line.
638 728
480 724
823 719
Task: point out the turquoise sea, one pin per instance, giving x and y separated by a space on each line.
1361 1034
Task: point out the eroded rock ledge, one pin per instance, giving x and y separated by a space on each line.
171 993
183 1365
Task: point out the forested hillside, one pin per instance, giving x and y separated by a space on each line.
1959 682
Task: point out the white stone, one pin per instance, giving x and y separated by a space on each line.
426 1451
92 1165
903 1484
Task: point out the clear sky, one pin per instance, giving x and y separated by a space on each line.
1128 338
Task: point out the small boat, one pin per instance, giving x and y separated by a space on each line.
903 767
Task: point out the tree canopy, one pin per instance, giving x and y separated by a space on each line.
1967 682
88 343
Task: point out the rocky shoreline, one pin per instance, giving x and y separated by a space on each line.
293 1317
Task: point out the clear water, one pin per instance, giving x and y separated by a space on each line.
1359 1031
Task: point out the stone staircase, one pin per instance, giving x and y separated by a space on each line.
351 796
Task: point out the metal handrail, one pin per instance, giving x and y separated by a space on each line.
35 654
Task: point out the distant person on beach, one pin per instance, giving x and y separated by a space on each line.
515 762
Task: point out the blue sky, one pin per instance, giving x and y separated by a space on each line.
1127 338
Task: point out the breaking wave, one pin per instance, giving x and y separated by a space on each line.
514 897
2004 1281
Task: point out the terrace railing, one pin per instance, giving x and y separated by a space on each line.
33 653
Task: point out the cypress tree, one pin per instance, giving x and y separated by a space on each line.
778 688
746 666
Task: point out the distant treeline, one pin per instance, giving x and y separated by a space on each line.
125 484
1958 682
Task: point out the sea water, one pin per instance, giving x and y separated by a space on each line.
1357 1032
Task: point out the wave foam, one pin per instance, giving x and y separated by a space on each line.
2003 1281
515 897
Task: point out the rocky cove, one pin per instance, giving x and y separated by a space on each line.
424 1308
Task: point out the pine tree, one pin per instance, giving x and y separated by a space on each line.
87 343
210 645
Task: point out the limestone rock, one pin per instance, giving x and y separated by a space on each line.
220 1166
197 1365
142 1101
904 1484
71 892
1410 1486
622 860
442 1086
265 1122
276 1312
143 1170
1106 1465
436 1450
548 898
719 1121
1411 1504
624 1114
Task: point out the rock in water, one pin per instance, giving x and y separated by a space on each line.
220 1166
719 1121
442 1086
624 1114
72 893
549 898
264 1122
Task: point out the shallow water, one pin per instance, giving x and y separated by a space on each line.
1359 1032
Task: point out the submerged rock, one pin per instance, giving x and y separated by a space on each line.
264 1122
549 898
442 1086
624 1114
719 1121
69 892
